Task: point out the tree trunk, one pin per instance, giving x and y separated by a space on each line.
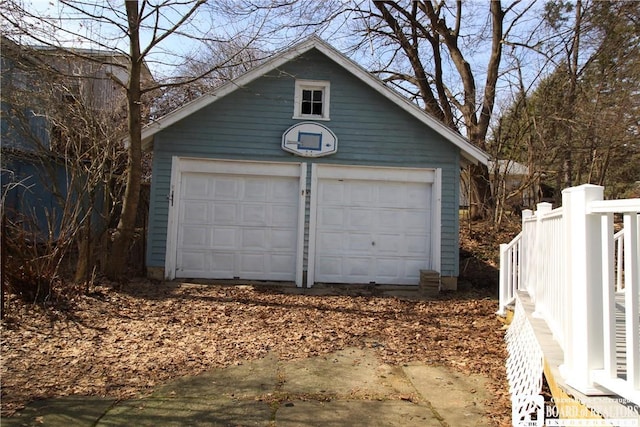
126 225
480 197
84 254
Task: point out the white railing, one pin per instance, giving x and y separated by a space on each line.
510 273
573 265
533 262
618 240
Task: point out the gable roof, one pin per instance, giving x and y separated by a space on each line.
469 152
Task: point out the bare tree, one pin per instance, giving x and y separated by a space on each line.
140 32
427 50
233 58
581 119
57 106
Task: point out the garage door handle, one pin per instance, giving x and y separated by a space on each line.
373 243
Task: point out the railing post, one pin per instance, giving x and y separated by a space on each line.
505 272
584 332
525 251
632 297
511 270
535 291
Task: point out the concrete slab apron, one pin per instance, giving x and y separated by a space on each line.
347 388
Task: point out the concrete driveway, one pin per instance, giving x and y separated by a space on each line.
347 388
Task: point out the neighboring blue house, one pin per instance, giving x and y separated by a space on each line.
306 169
35 174
29 170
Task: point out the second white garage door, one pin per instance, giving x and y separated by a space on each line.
372 225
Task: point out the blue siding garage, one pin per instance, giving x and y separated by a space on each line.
258 179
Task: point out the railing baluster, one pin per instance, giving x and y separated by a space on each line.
608 297
632 284
619 261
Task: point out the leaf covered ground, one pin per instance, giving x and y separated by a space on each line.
124 342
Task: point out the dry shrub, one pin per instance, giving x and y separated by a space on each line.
32 263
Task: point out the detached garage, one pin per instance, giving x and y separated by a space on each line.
306 169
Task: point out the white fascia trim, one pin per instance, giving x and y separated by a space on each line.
375 173
172 221
436 222
238 167
313 209
301 224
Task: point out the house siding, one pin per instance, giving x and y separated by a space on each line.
248 125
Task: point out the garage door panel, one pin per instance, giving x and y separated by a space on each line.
253 238
361 219
360 193
358 242
375 231
391 195
332 241
332 216
417 244
194 260
252 263
331 266
255 190
416 221
194 236
417 198
281 264
241 225
225 188
392 243
222 263
196 187
388 269
280 191
332 193
284 215
281 239
253 214
384 224
225 213
358 268
412 268
390 218
224 238
195 212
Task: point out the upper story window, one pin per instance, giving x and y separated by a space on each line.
311 100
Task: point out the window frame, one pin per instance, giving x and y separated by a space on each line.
313 85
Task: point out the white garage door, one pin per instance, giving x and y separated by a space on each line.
237 226
372 229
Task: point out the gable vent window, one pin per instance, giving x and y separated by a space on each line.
311 100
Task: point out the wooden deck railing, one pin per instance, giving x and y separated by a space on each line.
573 266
